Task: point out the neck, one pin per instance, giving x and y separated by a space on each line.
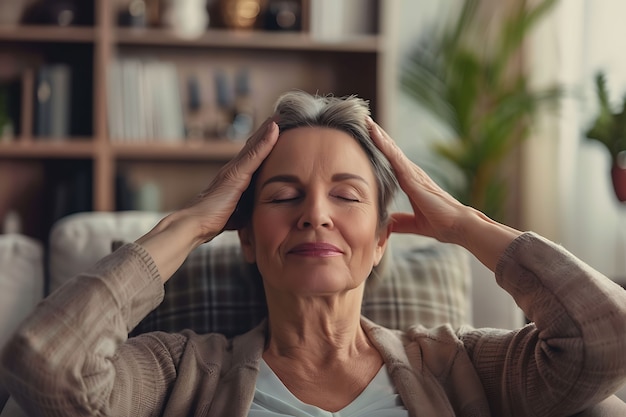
319 329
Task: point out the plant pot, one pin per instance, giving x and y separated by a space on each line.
618 175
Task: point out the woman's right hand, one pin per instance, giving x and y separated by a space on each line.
170 242
214 206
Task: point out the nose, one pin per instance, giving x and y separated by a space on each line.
316 212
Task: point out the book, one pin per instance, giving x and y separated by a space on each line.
114 101
53 101
145 101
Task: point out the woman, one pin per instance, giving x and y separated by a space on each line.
309 193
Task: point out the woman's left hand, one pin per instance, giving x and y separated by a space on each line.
436 212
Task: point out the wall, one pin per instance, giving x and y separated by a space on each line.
414 131
570 197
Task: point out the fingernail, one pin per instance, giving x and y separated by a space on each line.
270 126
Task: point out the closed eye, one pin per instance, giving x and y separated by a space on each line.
284 200
347 198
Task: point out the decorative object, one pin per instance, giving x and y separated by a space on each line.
187 18
475 84
609 128
283 15
134 14
240 14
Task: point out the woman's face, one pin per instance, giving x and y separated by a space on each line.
315 224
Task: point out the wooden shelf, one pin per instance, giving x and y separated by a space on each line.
230 39
278 62
49 148
41 33
209 151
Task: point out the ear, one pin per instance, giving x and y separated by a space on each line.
381 244
246 239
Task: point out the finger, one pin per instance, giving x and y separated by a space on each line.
403 223
257 148
400 163
257 138
244 168
236 174
411 176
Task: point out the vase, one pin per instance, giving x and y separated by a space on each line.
241 14
187 18
618 176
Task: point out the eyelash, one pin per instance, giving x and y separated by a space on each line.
284 200
291 199
352 200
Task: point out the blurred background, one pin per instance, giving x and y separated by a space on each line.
515 107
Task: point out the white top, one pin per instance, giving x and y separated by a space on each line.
273 399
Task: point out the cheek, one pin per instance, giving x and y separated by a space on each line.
269 228
361 232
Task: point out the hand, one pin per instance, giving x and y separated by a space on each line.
170 242
436 212
215 205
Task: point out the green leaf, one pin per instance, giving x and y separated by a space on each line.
471 88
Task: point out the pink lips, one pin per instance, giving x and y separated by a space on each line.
316 249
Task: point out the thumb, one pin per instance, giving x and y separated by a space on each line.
403 223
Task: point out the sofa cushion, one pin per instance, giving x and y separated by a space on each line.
21 280
21 286
77 241
423 281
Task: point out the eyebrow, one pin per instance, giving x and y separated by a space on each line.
292 179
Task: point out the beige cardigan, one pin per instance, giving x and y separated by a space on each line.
72 356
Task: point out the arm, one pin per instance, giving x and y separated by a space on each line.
573 355
62 361
71 357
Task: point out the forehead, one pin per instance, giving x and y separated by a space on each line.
319 148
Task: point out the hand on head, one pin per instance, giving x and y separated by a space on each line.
215 205
435 212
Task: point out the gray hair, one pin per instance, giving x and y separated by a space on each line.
347 114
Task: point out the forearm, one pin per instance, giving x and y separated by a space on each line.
573 356
170 242
485 238
61 357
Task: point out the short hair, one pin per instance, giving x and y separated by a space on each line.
347 114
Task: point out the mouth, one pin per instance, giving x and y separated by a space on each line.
316 249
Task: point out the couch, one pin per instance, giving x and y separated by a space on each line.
425 281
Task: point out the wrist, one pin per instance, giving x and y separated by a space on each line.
484 237
170 242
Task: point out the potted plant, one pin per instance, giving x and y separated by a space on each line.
470 77
609 128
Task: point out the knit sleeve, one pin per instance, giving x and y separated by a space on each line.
71 356
572 354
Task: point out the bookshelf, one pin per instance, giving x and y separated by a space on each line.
88 162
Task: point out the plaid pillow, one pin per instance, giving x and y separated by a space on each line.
214 290
424 282
421 281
